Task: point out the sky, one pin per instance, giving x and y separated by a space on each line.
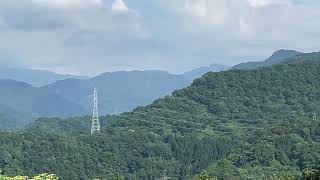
88 37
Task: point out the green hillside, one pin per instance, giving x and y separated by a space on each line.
237 124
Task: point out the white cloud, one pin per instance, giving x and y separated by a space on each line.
92 36
261 3
119 5
69 4
71 15
66 34
259 25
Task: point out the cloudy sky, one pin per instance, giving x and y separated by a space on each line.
94 36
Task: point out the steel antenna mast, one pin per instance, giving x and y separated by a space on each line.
95 126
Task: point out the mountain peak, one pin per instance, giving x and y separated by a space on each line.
282 53
277 57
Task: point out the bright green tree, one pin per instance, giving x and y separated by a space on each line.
117 177
205 176
38 177
312 174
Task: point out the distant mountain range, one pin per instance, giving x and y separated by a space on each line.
39 78
25 98
21 103
34 77
118 92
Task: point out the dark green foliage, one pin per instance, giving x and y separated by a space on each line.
198 153
205 176
137 154
117 177
236 124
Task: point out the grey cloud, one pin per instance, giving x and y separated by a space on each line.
95 39
49 37
23 15
27 15
242 31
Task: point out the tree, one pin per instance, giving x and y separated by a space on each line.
312 174
116 176
38 177
205 176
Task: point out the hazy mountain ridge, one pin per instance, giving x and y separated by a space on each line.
32 102
72 97
277 57
34 77
119 91
197 73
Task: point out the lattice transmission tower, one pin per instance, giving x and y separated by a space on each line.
95 126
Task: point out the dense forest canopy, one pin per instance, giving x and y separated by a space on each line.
235 124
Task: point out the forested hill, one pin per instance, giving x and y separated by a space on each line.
237 124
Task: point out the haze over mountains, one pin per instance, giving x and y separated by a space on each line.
33 76
72 96
154 90
25 103
236 125
118 92
276 58
198 72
